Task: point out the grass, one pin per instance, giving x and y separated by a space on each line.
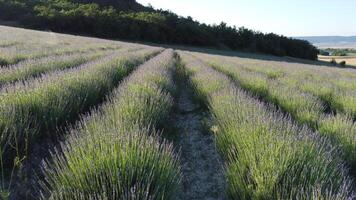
115 153
267 156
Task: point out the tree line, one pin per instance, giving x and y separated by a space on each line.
128 20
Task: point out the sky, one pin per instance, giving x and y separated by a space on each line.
286 17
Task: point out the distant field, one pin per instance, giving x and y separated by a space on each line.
349 45
350 60
90 119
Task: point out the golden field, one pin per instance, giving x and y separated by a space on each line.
350 60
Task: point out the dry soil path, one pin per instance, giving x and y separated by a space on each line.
202 171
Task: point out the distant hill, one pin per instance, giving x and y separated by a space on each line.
331 41
129 20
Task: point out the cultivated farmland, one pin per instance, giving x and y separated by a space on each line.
350 60
85 118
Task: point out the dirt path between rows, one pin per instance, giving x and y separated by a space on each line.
202 171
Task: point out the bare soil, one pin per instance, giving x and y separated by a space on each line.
202 171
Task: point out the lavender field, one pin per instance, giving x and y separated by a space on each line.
91 119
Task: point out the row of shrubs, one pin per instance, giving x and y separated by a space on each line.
36 67
115 153
22 52
267 156
304 106
37 107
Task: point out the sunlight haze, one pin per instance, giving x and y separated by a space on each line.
290 18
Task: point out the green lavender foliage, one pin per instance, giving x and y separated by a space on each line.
36 108
267 156
33 68
115 153
305 101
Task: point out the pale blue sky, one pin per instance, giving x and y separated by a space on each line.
287 17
